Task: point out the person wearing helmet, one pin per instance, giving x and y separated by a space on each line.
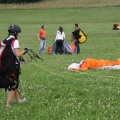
13 31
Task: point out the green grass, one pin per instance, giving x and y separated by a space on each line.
53 92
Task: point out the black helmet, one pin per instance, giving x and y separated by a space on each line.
14 29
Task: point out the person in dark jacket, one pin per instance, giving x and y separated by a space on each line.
76 37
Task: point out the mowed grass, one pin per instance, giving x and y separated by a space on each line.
45 4
53 92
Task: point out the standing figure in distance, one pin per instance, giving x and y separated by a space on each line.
60 36
42 39
76 37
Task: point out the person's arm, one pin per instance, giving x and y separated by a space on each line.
73 36
19 53
56 36
39 36
63 35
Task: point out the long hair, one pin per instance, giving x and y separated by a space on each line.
42 26
61 29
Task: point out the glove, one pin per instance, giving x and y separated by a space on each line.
26 50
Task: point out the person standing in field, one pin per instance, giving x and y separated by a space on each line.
14 69
76 37
60 36
42 40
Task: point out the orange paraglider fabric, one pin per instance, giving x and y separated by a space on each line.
93 63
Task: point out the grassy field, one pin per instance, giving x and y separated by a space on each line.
43 4
53 92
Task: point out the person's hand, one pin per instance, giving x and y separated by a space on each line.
26 50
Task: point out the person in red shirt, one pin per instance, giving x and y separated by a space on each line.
42 40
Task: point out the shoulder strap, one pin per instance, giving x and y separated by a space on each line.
8 42
12 43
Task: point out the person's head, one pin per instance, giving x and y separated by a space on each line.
76 26
43 27
61 29
14 30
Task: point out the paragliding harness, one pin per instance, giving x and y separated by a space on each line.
81 37
9 65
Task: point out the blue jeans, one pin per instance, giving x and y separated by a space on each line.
42 46
77 46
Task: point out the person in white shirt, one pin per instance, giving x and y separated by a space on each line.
60 36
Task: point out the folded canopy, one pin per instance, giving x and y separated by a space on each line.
90 63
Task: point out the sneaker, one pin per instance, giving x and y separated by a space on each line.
8 106
22 100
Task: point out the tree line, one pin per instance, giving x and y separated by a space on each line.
18 1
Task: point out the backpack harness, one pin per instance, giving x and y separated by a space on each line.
9 65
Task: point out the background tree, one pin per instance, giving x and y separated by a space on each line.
19 1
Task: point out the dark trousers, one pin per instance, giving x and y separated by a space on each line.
59 46
78 46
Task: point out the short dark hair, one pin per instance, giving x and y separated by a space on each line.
76 24
42 26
